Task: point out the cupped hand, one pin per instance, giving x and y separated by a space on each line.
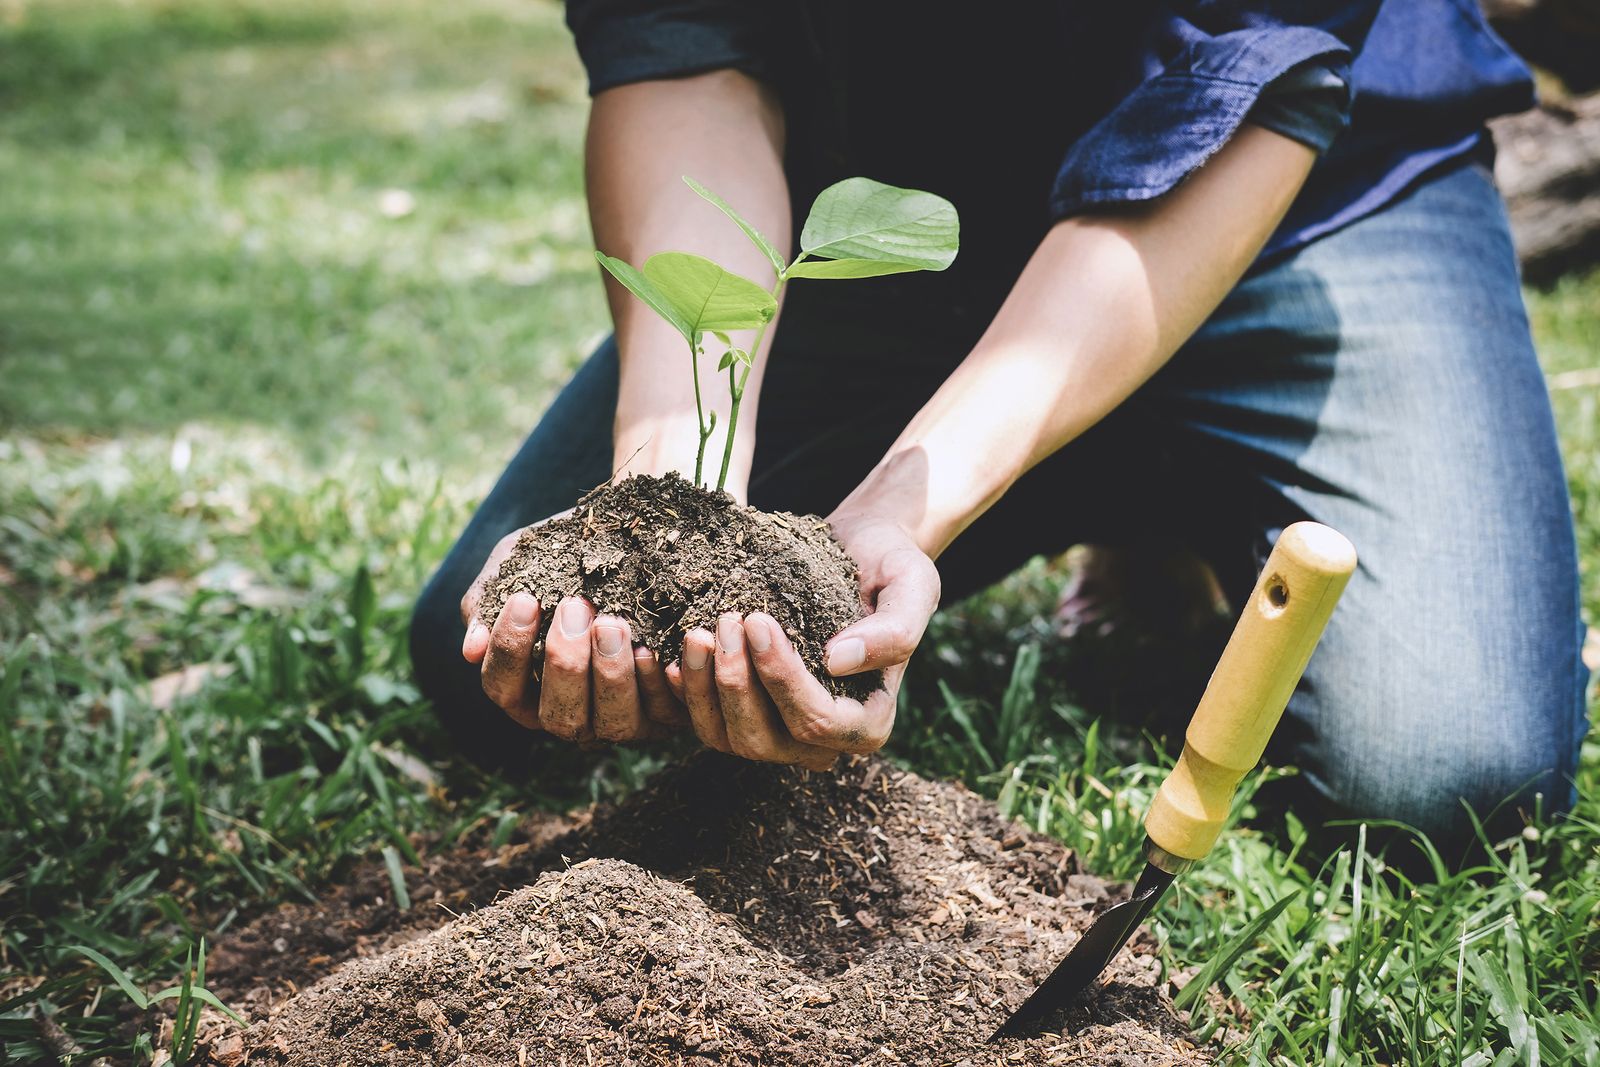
596 684
749 693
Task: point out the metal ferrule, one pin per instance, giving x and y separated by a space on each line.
1162 859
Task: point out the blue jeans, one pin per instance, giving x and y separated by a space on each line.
1381 380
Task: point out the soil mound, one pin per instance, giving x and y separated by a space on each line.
730 912
669 556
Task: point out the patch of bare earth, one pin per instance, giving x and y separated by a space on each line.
729 912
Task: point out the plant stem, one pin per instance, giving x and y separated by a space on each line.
736 388
699 413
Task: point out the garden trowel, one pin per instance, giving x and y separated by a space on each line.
1269 649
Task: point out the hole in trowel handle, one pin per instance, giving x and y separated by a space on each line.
1277 591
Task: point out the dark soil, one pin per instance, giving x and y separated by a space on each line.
729 912
669 556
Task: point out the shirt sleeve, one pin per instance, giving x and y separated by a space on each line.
1207 68
623 41
1309 104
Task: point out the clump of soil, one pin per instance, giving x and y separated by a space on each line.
729 912
669 556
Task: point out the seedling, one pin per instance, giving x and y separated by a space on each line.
857 228
189 994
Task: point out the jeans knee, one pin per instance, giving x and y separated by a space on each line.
1499 764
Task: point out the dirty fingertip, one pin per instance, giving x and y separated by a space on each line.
730 633
761 631
522 610
846 655
697 649
476 642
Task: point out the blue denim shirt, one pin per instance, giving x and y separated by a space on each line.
1033 112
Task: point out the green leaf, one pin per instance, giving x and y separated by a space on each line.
694 294
848 268
641 287
1221 963
773 255
860 219
729 358
707 296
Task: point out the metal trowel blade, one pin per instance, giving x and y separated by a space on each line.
1094 950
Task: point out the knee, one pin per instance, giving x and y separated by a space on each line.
1493 781
1440 768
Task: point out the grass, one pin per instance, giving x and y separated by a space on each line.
259 259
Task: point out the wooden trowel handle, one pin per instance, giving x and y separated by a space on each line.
1282 622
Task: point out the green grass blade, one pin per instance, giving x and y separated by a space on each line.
959 715
397 878
198 993
1230 953
118 975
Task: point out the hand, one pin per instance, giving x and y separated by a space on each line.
749 693
597 685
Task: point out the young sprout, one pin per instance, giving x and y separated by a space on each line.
857 228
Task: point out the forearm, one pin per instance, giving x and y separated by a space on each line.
1103 304
725 130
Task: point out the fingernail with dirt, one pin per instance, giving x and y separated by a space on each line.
695 655
574 617
759 633
730 634
521 610
608 639
847 655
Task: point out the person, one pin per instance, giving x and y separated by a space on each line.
1224 266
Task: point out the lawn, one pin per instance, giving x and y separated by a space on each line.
283 284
